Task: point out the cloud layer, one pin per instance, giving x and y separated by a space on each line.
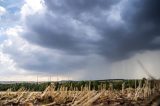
102 27
81 37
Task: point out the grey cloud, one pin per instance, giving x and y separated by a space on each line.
76 8
142 26
65 26
62 30
59 33
44 60
88 39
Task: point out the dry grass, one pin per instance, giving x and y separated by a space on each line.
85 97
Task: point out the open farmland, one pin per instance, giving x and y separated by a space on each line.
145 92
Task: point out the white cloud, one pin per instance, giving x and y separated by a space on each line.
2 10
31 7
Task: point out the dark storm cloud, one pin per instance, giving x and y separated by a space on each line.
142 26
64 25
81 27
79 6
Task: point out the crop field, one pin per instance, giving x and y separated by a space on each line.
147 93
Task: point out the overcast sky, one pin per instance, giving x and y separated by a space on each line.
79 39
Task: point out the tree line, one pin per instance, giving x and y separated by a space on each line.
71 85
